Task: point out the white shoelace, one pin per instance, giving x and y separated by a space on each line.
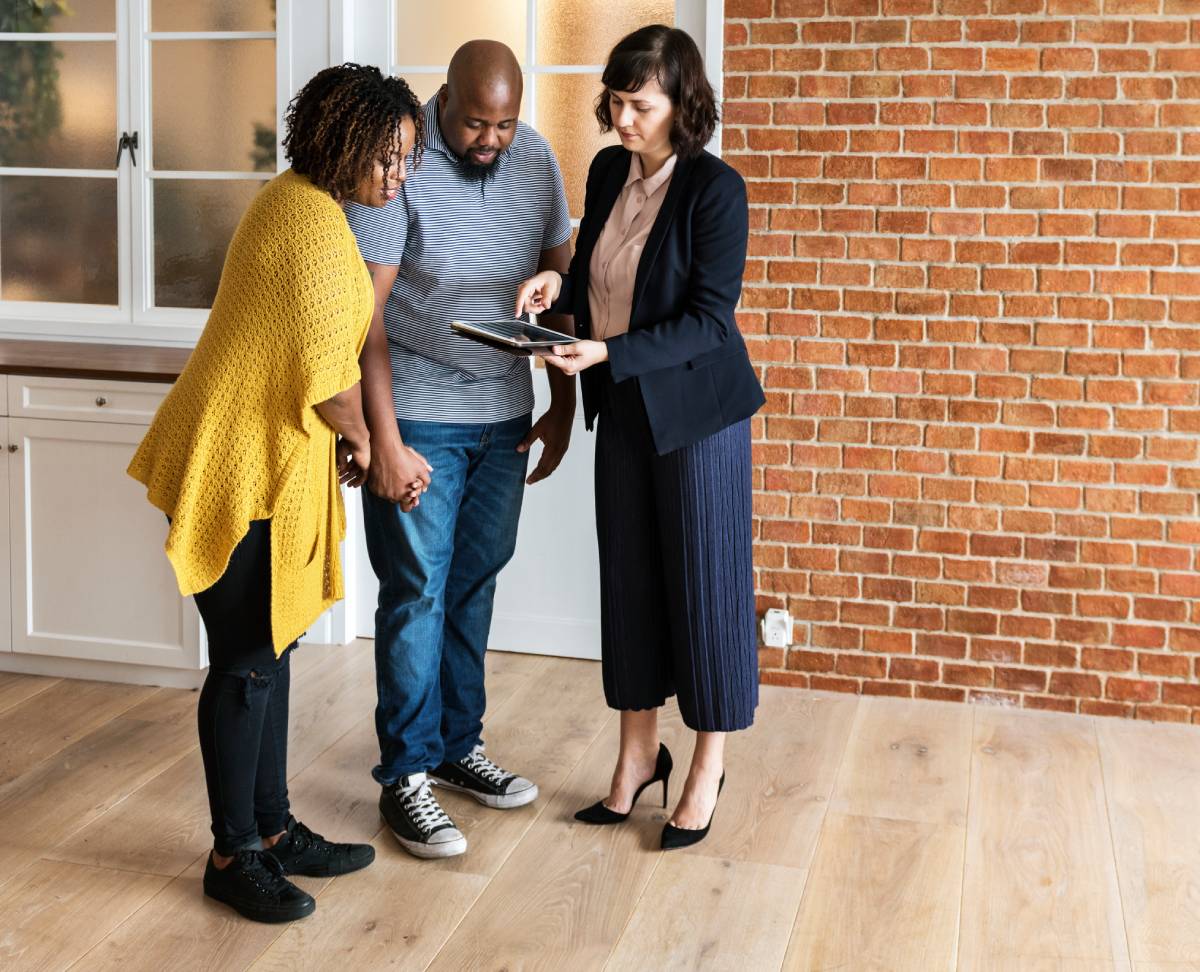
478 763
423 809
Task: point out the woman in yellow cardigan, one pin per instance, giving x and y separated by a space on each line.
244 457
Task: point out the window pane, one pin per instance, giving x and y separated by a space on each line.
427 33
58 103
214 105
425 86
565 117
58 239
212 15
584 31
194 220
74 16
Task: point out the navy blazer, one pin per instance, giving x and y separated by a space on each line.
683 345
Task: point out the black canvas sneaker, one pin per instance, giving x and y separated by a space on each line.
303 852
479 777
253 885
418 820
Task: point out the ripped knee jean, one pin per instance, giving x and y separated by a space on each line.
242 716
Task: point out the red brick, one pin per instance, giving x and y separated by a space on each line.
1139 636
1131 690
786 679
1107 660
1181 695
1074 684
827 683
1048 703
967 675
1021 679
914 669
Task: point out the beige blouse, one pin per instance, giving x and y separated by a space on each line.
615 258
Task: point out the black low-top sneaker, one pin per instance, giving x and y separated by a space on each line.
479 777
254 886
416 818
300 851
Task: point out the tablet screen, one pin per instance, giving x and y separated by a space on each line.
516 333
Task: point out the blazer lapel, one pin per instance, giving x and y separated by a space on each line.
610 189
658 232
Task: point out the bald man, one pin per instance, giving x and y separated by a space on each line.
483 211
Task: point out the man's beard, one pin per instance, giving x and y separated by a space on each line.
476 171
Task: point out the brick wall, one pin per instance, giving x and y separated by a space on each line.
974 299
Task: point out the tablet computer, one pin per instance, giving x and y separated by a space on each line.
515 336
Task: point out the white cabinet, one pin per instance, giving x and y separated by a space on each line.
84 575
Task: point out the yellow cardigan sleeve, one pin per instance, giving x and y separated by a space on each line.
323 337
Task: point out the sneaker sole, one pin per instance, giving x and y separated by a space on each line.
265 917
506 801
327 872
430 852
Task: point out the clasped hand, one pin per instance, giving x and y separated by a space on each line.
399 475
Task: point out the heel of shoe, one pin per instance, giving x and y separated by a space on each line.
662 769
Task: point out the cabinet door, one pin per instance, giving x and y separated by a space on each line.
89 576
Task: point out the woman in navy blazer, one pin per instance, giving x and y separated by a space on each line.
665 371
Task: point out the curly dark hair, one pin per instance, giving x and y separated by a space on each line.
344 120
670 56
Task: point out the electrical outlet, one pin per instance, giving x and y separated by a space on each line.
777 628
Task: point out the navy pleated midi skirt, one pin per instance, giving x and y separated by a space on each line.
676 575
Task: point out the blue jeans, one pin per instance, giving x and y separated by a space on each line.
437 570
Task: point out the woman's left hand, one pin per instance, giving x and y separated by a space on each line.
574 358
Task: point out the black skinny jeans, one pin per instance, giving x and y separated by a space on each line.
243 710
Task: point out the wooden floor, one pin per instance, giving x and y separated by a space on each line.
853 834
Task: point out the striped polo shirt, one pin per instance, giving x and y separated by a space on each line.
462 246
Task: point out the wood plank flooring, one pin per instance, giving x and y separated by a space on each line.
853 834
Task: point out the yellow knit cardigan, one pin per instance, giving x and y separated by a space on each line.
238 439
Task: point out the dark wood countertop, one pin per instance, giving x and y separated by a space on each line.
111 362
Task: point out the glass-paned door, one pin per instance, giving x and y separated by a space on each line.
133 135
209 97
61 198
562 46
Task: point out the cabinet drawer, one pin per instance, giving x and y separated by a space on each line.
121 402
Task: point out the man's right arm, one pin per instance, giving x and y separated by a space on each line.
398 474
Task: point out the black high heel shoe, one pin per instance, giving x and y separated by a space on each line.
598 813
674 837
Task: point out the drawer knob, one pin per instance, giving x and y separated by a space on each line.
12 448
101 401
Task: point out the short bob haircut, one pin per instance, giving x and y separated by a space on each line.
670 56
343 121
